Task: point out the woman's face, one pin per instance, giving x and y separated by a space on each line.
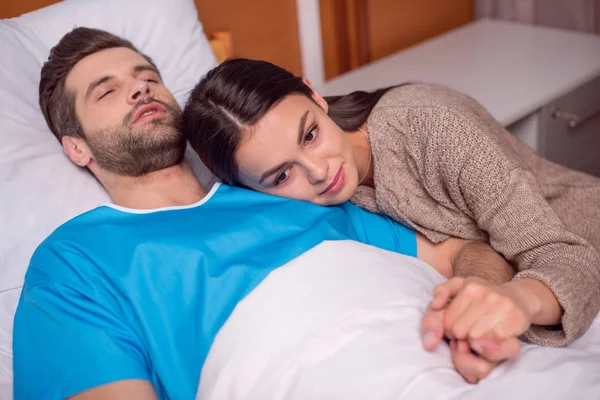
297 151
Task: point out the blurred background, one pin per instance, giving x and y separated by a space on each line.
356 32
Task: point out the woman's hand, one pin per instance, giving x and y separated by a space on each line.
482 322
478 309
471 365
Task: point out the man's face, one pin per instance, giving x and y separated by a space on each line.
127 114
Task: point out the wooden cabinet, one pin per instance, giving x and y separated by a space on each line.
265 29
570 128
534 80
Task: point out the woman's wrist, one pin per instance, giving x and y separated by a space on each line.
538 300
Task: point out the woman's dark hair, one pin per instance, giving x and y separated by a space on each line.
237 94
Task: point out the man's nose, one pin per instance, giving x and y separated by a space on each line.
139 90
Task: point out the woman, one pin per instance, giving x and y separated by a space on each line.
425 155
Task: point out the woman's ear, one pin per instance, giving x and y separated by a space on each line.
77 150
316 96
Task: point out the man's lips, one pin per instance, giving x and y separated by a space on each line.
149 111
334 182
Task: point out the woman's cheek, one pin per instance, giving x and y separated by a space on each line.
294 190
303 191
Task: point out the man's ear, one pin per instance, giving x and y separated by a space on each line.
316 96
77 150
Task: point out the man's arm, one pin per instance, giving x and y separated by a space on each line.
464 258
478 259
125 390
67 344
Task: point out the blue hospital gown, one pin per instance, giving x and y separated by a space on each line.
119 294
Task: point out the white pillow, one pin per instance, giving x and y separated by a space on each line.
39 187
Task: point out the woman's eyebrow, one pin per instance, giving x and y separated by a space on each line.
270 172
301 126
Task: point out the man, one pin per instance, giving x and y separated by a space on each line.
125 300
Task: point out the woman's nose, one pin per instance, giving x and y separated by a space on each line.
317 170
139 90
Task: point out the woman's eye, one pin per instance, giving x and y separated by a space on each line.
310 135
104 94
150 80
282 177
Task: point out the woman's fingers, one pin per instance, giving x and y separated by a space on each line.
480 310
503 321
486 315
444 292
467 306
462 326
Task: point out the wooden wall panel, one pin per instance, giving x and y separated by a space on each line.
14 8
356 32
344 31
397 24
334 34
265 29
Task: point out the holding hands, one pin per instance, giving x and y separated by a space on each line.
483 320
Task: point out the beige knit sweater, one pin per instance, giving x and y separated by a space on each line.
445 167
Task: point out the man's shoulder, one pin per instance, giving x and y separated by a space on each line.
65 241
72 228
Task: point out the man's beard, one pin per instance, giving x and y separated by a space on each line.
157 145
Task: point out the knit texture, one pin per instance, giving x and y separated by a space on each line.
445 167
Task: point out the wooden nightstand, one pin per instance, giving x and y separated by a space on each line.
543 84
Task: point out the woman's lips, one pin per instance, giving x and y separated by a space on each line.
337 184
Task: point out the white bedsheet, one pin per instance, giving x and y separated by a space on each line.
8 305
342 322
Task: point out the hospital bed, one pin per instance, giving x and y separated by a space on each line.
40 189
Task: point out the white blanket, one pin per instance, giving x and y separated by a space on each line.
342 322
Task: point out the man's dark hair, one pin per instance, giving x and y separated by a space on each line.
57 103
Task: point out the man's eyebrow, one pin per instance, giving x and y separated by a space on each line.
270 172
94 85
145 67
301 126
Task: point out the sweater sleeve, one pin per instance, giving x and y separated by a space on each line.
486 180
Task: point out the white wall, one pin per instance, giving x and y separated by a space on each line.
311 45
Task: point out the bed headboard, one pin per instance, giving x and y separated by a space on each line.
267 30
